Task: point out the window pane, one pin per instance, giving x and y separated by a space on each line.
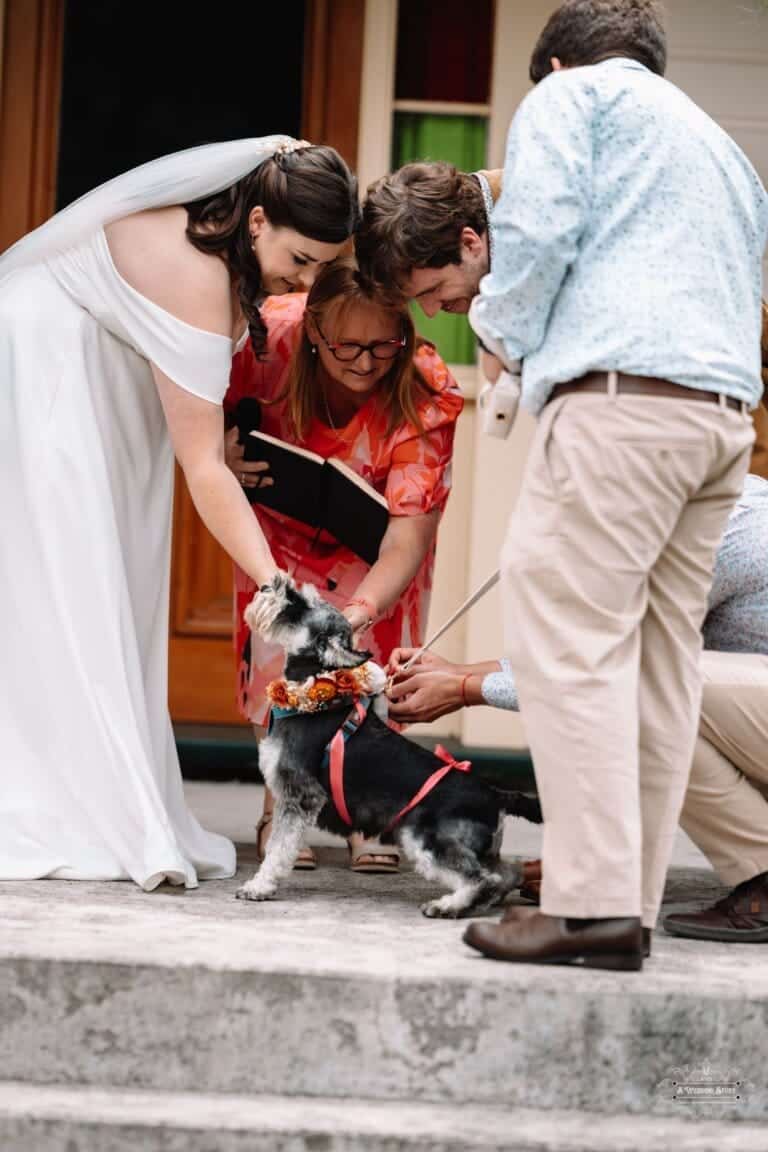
461 140
444 50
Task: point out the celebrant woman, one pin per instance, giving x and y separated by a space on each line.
118 321
344 376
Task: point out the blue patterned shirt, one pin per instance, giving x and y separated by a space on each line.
737 617
629 235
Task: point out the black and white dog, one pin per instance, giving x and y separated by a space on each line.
448 836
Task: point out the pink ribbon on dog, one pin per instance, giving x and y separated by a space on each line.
336 757
449 764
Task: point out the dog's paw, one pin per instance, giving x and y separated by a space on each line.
435 909
253 891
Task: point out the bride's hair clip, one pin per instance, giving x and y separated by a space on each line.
284 150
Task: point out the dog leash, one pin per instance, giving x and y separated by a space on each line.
476 595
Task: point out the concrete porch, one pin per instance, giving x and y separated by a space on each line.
338 1018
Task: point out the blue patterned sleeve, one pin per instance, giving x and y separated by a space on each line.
498 688
541 213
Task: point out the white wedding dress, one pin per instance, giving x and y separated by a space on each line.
90 786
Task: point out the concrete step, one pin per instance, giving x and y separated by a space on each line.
343 989
85 1119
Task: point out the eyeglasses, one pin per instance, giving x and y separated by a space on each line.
347 351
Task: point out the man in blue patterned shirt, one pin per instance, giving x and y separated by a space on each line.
627 276
621 201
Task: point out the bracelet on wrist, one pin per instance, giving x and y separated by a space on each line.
463 690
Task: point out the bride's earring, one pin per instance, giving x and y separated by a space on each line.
314 349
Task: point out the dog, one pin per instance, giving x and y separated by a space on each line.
448 836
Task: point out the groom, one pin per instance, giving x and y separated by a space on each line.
427 231
641 380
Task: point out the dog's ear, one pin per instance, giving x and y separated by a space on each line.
336 654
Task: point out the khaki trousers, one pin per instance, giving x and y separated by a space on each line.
725 811
606 571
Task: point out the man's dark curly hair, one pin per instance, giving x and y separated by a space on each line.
414 219
588 31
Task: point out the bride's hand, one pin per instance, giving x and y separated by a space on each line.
250 473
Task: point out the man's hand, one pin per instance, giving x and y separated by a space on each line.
420 696
490 366
427 661
250 473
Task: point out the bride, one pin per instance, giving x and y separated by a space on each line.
118 321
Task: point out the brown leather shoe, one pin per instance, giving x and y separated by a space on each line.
530 890
534 938
740 917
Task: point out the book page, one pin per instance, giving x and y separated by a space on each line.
288 447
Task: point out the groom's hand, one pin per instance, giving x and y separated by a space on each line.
490 366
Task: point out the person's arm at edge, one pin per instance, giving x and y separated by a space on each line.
196 428
540 215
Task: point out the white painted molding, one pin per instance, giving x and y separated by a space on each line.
718 56
374 144
467 377
441 108
740 123
517 26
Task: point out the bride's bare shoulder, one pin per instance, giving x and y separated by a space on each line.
151 252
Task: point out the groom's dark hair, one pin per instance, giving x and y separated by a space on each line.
587 31
414 218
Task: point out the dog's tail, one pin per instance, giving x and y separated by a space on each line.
520 804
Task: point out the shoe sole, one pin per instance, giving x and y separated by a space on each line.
723 935
621 962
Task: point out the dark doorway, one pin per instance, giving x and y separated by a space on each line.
143 78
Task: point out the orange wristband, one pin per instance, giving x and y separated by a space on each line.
464 701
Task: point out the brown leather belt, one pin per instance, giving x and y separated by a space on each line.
640 386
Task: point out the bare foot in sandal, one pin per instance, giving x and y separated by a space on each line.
370 856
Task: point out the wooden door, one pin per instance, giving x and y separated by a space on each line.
202 679
202 662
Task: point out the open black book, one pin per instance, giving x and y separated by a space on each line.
325 494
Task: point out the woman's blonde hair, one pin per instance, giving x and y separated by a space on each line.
337 289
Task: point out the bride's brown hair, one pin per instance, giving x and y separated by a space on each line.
310 190
337 289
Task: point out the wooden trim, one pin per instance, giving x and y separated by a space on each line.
2 37
30 88
333 71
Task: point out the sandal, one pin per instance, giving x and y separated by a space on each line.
306 861
371 857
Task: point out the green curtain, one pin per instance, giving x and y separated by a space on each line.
461 140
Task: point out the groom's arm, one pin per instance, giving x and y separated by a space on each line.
541 213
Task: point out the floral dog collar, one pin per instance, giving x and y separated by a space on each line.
317 693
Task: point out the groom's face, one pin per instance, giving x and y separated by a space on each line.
452 287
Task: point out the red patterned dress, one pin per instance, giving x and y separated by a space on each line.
412 470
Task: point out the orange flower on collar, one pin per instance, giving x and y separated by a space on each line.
321 691
277 692
347 683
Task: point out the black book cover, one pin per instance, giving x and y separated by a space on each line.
325 494
352 515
